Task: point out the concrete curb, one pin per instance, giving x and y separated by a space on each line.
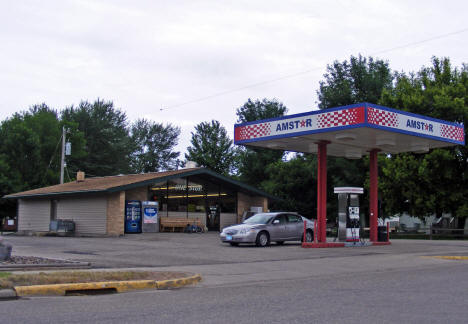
7 294
118 286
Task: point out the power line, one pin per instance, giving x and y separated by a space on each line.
420 42
289 76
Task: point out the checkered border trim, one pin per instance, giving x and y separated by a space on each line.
343 117
452 132
253 131
382 117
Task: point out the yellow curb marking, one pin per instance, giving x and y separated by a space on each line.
448 257
119 286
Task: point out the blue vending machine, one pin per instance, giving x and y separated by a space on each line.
150 216
132 216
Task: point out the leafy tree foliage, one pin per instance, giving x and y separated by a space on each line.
154 145
106 132
252 162
359 80
211 147
437 181
30 150
255 110
293 181
27 143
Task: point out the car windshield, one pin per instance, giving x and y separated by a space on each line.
259 219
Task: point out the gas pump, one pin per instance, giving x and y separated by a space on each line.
348 213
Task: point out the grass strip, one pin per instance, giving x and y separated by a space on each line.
61 277
4 274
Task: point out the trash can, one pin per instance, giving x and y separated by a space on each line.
382 233
62 226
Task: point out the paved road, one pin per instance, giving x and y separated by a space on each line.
284 284
430 294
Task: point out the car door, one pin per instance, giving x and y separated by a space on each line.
277 228
294 227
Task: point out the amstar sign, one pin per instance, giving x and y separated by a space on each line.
354 116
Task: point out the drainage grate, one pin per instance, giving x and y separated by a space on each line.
90 292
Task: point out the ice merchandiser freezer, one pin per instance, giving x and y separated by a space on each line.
150 216
132 216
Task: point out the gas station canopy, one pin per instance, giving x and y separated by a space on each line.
351 131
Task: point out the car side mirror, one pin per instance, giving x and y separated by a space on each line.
276 221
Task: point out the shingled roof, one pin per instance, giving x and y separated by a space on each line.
125 182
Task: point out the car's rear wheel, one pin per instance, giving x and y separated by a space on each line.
280 242
262 239
234 244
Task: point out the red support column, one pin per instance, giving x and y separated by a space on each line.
322 192
373 204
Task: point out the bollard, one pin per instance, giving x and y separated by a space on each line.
304 238
315 232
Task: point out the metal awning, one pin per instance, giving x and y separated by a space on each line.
351 131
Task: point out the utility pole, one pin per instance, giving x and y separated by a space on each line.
62 163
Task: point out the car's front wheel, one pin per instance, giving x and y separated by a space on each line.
309 236
262 239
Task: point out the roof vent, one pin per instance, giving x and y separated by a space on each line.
190 164
80 176
385 142
345 136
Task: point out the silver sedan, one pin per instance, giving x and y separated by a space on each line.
264 228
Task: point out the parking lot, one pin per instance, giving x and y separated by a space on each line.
182 249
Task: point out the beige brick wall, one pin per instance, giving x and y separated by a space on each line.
140 193
115 214
244 202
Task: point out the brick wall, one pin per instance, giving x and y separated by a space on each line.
244 202
140 193
115 214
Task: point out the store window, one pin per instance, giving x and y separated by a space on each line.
196 196
158 192
177 195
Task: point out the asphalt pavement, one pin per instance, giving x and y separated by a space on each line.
400 283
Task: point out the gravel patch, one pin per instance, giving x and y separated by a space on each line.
18 260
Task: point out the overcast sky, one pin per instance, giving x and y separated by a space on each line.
179 55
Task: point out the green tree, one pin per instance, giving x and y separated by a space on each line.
436 182
252 162
211 147
294 182
346 83
28 143
359 80
106 131
30 149
154 146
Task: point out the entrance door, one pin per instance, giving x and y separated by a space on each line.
212 216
